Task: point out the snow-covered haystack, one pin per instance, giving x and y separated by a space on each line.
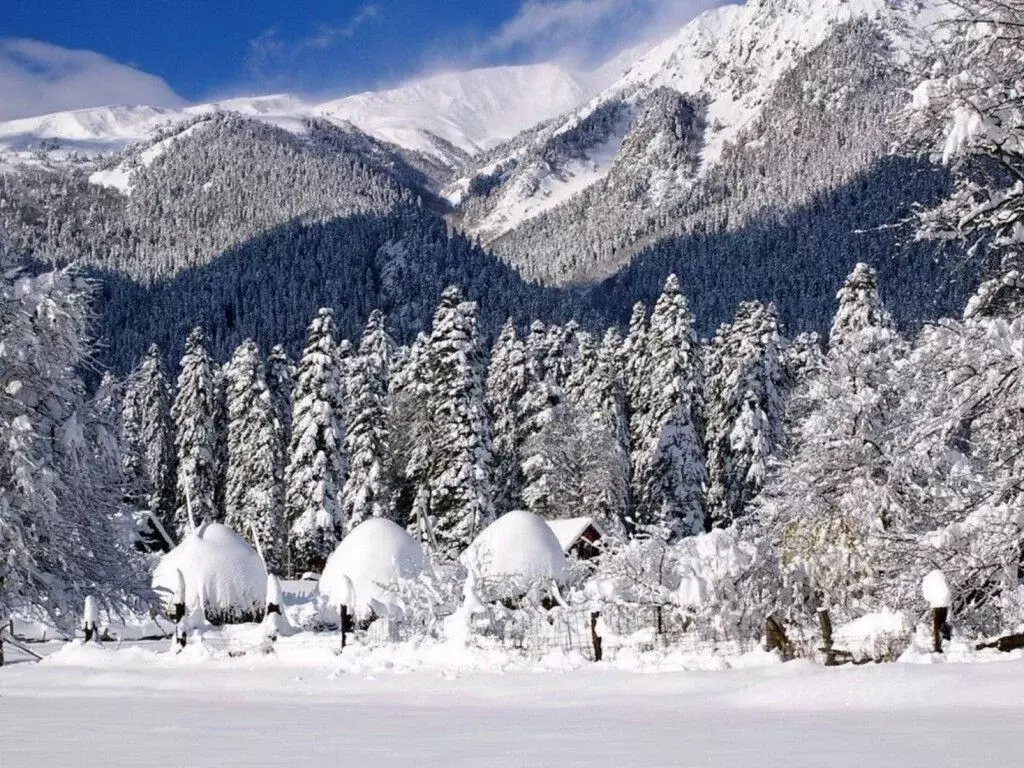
375 557
514 554
224 576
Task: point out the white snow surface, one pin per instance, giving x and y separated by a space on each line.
404 705
516 549
220 570
375 556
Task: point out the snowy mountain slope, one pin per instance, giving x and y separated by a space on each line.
471 110
729 60
445 118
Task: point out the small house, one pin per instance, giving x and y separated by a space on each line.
577 536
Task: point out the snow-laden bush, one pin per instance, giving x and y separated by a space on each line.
224 576
514 556
377 556
712 588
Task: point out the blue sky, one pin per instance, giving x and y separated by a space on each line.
68 53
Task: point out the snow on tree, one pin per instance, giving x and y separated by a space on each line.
408 390
968 112
254 480
316 467
61 479
634 366
507 384
280 381
149 437
515 555
224 576
458 449
195 434
668 458
826 509
370 486
746 391
375 559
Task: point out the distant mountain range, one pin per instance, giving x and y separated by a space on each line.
750 152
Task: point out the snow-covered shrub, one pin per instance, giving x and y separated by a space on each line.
515 556
712 589
224 576
376 556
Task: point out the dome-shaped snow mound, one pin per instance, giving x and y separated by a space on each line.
375 556
223 575
515 552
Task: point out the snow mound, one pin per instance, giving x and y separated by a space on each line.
936 589
224 576
515 552
375 556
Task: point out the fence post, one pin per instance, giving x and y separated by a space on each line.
178 610
343 610
595 638
775 638
825 620
90 620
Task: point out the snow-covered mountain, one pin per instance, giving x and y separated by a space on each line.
728 61
471 111
447 118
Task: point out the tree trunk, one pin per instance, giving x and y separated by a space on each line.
825 620
938 627
775 638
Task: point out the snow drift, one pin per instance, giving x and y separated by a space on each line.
375 557
224 576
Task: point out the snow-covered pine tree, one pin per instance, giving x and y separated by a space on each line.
149 437
459 467
668 458
408 390
633 357
370 488
833 496
507 383
254 479
220 432
316 463
195 435
745 397
280 381
61 480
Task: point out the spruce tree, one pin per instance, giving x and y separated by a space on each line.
746 391
254 482
149 437
458 479
370 487
195 436
316 465
668 460
507 384
280 382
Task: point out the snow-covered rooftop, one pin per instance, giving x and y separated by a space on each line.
568 531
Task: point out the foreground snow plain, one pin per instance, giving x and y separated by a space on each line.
432 705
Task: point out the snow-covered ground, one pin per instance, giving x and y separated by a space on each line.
401 706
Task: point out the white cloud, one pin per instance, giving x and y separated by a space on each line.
37 78
588 31
273 59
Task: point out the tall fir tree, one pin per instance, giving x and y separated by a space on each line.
746 394
149 437
280 382
507 384
458 481
254 479
195 435
316 466
668 459
370 488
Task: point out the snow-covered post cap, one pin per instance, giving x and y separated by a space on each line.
91 619
179 588
273 594
936 589
345 594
